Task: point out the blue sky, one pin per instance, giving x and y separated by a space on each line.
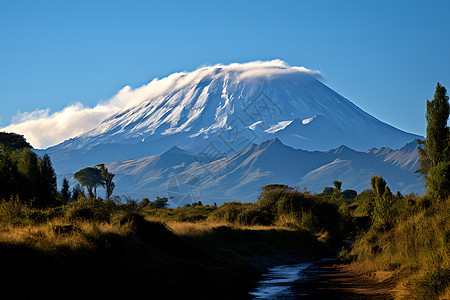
384 56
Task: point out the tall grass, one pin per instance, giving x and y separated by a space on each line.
417 246
92 245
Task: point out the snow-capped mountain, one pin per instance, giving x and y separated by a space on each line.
221 110
190 177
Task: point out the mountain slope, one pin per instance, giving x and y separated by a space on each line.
189 177
224 109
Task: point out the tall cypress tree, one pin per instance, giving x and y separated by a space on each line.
30 176
435 154
48 181
65 192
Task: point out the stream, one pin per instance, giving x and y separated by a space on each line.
286 281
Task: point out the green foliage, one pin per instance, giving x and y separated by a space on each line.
13 211
438 182
13 141
16 212
383 210
328 190
430 285
349 194
418 242
254 215
282 205
47 187
275 186
78 192
199 203
28 176
228 212
180 214
337 185
160 202
435 154
365 203
91 178
65 192
9 175
301 209
107 182
144 203
89 210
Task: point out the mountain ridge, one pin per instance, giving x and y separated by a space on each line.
240 177
227 108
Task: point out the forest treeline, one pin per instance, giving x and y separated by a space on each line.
23 174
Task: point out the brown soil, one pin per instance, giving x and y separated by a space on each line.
346 281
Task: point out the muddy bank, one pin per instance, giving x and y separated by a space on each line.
334 280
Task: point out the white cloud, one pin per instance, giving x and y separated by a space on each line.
43 129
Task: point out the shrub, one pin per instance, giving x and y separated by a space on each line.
228 212
349 194
328 190
254 215
13 211
430 285
89 210
135 220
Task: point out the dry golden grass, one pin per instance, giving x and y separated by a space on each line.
202 228
45 238
415 251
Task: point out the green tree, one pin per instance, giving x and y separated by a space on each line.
48 185
328 190
337 185
29 172
108 183
159 203
337 194
383 212
144 203
65 192
435 153
13 141
9 175
276 186
77 192
349 194
90 178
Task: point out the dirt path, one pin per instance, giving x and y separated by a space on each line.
338 281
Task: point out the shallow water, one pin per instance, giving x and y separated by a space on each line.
281 282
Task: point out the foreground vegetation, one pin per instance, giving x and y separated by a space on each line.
412 248
116 250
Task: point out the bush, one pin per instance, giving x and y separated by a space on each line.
349 194
254 215
135 220
89 210
14 211
300 209
228 212
328 190
431 285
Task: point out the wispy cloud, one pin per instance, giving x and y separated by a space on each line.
42 128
